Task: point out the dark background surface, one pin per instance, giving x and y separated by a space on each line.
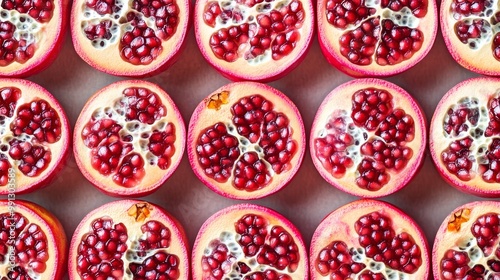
308 198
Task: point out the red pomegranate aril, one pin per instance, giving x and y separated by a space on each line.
268 246
133 133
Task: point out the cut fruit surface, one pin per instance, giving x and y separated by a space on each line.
246 140
34 136
465 136
141 38
129 138
129 239
466 244
247 241
471 34
376 38
368 138
32 242
254 40
369 239
32 35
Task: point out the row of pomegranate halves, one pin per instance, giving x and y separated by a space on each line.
246 140
248 39
365 239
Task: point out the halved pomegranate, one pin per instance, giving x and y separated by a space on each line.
249 242
254 39
368 138
464 136
369 239
129 239
140 38
31 35
129 138
376 38
467 243
470 31
34 136
246 140
32 242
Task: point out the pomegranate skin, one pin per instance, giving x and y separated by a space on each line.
53 50
338 225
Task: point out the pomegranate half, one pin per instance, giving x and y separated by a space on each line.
246 140
129 138
464 132
365 38
254 39
368 138
34 136
470 31
140 38
32 242
129 239
250 242
32 34
369 239
466 244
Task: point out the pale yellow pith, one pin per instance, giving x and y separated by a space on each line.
339 226
154 174
262 66
439 141
341 99
29 93
119 213
208 117
224 222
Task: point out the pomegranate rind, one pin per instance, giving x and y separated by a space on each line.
339 225
54 232
203 117
118 211
59 150
224 220
480 60
155 176
446 239
340 98
47 50
262 71
481 88
100 58
328 36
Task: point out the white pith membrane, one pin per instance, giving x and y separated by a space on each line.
31 92
220 228
476 92
461 239
477 53
118 212
54 234
262 66
99 52
43 35
334 105
204 117
339 226
107 104
329 36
